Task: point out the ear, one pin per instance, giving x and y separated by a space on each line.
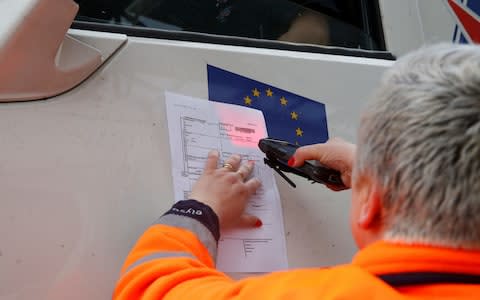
370 208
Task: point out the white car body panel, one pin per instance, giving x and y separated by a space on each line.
85 173
104 42
409 24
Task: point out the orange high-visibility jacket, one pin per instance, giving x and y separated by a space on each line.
174 259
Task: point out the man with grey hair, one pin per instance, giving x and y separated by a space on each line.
420 143
415 213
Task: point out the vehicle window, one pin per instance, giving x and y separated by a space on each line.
344 23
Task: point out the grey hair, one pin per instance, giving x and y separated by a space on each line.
419 139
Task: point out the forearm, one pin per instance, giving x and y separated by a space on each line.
175 258
181 246
171 261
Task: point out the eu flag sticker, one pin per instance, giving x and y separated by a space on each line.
289 117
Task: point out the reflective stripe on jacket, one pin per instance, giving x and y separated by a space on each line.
174 259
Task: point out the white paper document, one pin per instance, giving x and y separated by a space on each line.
197 126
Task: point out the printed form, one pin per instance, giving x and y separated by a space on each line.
197 126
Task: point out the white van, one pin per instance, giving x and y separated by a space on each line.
85 161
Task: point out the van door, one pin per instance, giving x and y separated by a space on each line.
86 170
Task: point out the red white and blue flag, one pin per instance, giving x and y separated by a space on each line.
467 16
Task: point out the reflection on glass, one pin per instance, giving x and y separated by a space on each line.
307 22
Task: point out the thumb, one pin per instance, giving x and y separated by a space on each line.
249 221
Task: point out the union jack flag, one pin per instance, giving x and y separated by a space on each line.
467 15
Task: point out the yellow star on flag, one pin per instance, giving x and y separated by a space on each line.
248 100
294 115
269 93
299 132
256 92
283 101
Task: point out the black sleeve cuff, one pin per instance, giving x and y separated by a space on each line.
198 211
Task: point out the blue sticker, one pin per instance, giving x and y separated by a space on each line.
288 116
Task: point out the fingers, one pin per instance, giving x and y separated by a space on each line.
252 185
334 187
245 170
328 154
212 161
310 152
233 161
249 221
335 153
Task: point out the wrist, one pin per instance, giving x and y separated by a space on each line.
199 211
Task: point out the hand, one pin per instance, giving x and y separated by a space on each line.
335 153
226 191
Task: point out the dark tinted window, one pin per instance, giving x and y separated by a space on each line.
345 23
